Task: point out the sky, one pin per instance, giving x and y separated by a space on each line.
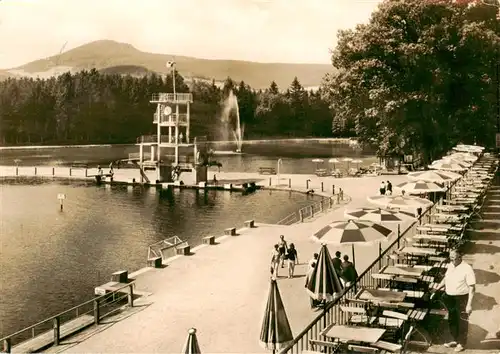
293 31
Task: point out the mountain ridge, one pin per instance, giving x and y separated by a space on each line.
107 54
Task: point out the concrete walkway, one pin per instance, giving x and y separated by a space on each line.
222 289
483 253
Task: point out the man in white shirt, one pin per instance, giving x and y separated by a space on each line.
459 283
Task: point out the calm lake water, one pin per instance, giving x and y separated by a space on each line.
297 156
51 260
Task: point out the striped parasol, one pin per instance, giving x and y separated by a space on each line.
378 215
351 232
191 346
420 187
275 332
447 166
435 176
324 283
400 201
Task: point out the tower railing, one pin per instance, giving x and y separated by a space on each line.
172 97
171 120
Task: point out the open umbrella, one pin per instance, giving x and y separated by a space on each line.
357 162
351 232
324 283
468 148
464 156
317 162
348 160
435 176
400 202
419 187
333 161
447 166
191 346
275 332
378 215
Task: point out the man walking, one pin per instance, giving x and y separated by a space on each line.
459 283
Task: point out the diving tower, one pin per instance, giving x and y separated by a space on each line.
172 139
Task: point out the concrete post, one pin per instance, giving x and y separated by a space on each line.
56 326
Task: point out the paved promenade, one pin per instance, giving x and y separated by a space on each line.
483 253
222 289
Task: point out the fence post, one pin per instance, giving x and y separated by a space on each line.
312 211
307 184
289 183
35 171
269 181
330 202
301 215
322 187
338 198
7 346
85 172
131 295
17 171
399 233
56 326
96 312
70 171
333 189
53 171
321 206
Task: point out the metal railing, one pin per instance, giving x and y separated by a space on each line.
95 310
171 97
165 248
332 312
172 119
313 210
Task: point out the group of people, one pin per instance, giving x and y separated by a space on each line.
284 252
385 188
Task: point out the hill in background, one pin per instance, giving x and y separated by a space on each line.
121 58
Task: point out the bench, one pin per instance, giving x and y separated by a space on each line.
209 240
120 276
183 250
231 231
249 224
155 262
267 170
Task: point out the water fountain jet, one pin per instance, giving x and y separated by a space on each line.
237 130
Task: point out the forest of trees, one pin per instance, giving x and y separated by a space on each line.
91 108
420 76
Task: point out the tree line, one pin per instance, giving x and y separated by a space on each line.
90 107
420 76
